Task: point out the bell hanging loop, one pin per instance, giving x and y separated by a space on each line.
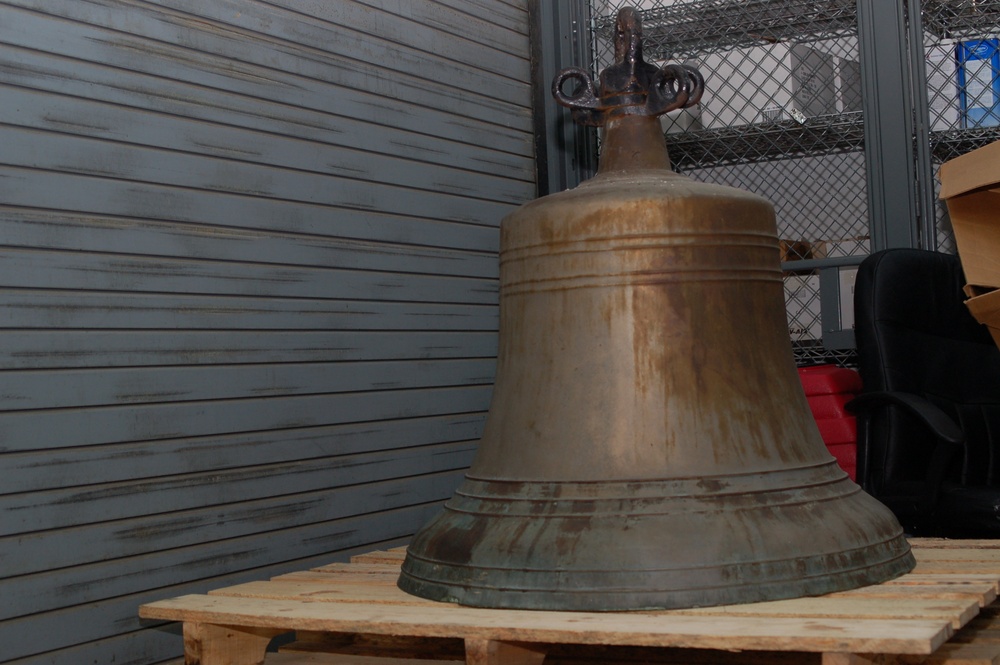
583 101
674 87
631 86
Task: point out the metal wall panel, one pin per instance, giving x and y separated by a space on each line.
248 291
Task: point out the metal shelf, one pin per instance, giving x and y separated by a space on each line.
784 139
947 19
687 28
951 143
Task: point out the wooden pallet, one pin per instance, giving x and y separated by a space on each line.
355 609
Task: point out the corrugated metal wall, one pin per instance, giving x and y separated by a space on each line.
247 291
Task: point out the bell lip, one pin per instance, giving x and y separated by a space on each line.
561 546
642 599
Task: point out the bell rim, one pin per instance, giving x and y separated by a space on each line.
619 599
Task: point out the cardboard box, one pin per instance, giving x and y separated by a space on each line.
970 185
986 309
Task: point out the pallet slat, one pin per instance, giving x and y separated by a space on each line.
911 615
958 612
389 557
916 636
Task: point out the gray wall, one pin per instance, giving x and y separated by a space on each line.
247 291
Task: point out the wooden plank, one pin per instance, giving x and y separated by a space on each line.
501 27
380 557
947 578
511 16
936 567
69 467
370 587
150 645
30 430
138 385
983 593
352 569
337 176
100 310
236 645
40 551
381 577
977 554
70 626
468 225
504 53
82 232
339 188
113 272
956 611
917 636
494 652
130 129
362 588
343 120
988 618
186 115
208 556
54 349
229 61
963 544
75 506
341 592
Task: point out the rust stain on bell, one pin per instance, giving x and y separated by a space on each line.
648 444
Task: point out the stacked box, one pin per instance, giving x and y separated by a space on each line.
970 184
828 389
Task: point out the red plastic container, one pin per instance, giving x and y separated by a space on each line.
838 431
830 406
829 379
846 455
828 389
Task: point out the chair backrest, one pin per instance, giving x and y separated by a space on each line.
914 334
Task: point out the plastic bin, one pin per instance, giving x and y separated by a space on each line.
828 389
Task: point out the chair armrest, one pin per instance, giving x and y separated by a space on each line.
921 408
949 435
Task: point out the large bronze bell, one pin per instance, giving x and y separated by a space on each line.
648 444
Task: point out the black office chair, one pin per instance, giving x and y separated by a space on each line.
929 414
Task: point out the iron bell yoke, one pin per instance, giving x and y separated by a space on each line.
648 444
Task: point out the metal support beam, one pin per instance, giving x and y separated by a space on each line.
895 211
565 153
922 129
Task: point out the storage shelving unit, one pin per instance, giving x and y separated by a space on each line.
795 127
776 121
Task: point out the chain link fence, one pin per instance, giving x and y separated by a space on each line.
781 117
963 85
